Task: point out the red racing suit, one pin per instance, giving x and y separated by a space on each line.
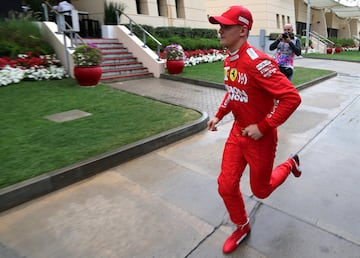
253 82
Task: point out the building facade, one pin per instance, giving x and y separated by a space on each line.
269 15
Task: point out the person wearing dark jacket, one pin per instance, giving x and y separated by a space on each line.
287 45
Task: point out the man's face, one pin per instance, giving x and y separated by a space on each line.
288 28
230 35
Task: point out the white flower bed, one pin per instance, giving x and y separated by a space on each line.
9 75
209 58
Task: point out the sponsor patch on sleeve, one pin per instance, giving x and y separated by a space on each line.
266 68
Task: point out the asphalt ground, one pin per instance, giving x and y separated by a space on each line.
164 203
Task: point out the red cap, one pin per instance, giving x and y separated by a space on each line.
236 14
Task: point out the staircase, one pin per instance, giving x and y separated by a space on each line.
118 64
320 43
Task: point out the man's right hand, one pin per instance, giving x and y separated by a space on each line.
212 124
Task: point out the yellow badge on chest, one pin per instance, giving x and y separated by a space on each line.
233 74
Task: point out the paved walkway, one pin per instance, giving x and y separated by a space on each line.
165 203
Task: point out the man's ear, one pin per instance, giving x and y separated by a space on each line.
244 31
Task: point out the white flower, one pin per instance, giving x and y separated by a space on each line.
9 75
209 58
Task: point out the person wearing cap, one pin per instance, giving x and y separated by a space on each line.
253 82
287 45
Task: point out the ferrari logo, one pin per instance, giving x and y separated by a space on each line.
233 74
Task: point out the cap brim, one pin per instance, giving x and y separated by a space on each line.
221 20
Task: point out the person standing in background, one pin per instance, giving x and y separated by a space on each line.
287 45
65 8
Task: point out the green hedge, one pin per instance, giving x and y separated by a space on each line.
188 38
343 42
19 36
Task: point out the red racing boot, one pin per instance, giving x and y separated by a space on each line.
236 237
295 165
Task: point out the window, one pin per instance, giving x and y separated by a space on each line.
301 28
142 7
278 21
162 7
180 10
138 7
332 33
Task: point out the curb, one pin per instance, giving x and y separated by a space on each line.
221 86
28 190
316 81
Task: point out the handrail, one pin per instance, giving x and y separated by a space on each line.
145 32
322 38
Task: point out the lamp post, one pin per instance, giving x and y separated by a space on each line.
307 26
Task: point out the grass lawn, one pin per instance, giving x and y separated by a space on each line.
301 74
32 145
343 56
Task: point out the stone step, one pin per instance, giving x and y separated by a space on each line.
121 66
117 72
106 51
100 40
126 77
118 60
114 55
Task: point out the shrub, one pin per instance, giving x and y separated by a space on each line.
343 42
110 12
22 36
190 39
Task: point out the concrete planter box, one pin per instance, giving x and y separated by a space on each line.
107 31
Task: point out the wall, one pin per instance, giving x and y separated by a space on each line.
194 12
318 22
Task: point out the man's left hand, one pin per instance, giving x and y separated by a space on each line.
252 131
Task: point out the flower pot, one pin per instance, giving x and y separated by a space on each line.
87 75
338 49
175 66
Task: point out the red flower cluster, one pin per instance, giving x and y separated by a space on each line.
196 53
200 52
28 60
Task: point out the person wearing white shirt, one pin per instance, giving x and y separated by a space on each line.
65 8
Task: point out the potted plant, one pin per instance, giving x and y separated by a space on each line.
338 48
87 60
175 58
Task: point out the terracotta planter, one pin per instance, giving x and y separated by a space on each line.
329 51
87 75
175 66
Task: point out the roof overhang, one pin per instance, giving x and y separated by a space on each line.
342 8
